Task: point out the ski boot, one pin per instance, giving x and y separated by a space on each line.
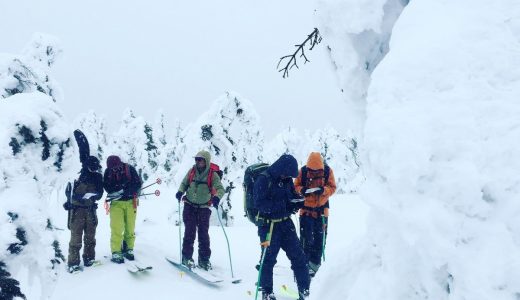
188 262
268 296
117 258
89 263
313 269
205 264
74 269
129 254
304 294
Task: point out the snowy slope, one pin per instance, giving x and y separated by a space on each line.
157 237
442 158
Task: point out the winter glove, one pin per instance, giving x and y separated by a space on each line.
319 191
67 205
179 196
215 200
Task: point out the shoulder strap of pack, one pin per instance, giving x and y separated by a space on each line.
304 176
327 173
210 178
127 172
191 175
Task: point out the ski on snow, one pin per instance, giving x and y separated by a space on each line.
196 273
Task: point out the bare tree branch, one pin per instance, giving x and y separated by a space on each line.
290 61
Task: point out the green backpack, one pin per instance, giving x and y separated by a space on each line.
251 174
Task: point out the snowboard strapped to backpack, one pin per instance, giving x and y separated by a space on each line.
251 174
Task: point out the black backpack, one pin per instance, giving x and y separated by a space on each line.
251 174
304 175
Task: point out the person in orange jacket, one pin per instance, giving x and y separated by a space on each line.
316 182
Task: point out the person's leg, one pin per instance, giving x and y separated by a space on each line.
76 232
291 245
317 246
307 237
89 252
117 225
190 230
266 277
203 217
130 216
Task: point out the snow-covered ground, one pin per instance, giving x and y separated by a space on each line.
157 237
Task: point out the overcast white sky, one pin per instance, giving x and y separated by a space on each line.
180 56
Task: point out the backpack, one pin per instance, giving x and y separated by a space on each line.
213 168
304 175
251 174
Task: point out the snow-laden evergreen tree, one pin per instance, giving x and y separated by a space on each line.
135 144
35 156
95 129
37 144
289 141
165 149
30 72
341 153
230 131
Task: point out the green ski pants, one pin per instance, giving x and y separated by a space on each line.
122 224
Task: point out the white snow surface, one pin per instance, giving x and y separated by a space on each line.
441 158
157 236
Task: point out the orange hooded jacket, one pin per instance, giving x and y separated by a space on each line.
316 178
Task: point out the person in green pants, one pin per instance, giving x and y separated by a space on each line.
122 184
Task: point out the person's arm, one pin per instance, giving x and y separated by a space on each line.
298 182
135 182
217 185
98 181
109 186
330 186
184 184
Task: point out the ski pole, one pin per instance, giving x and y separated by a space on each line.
156 193
264 251
157 181
324 237
229 248
180 224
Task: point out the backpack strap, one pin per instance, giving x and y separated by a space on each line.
326 171
191 175
127 172
327 174
304 176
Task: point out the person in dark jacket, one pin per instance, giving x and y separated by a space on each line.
272 195
122 184
86 191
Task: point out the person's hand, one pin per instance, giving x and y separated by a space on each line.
215 200
179 196
67 205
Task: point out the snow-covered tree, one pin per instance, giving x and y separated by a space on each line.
341 154
135 144
230 131
30 72
34 160
37 145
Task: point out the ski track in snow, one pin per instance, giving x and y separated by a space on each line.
157 237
